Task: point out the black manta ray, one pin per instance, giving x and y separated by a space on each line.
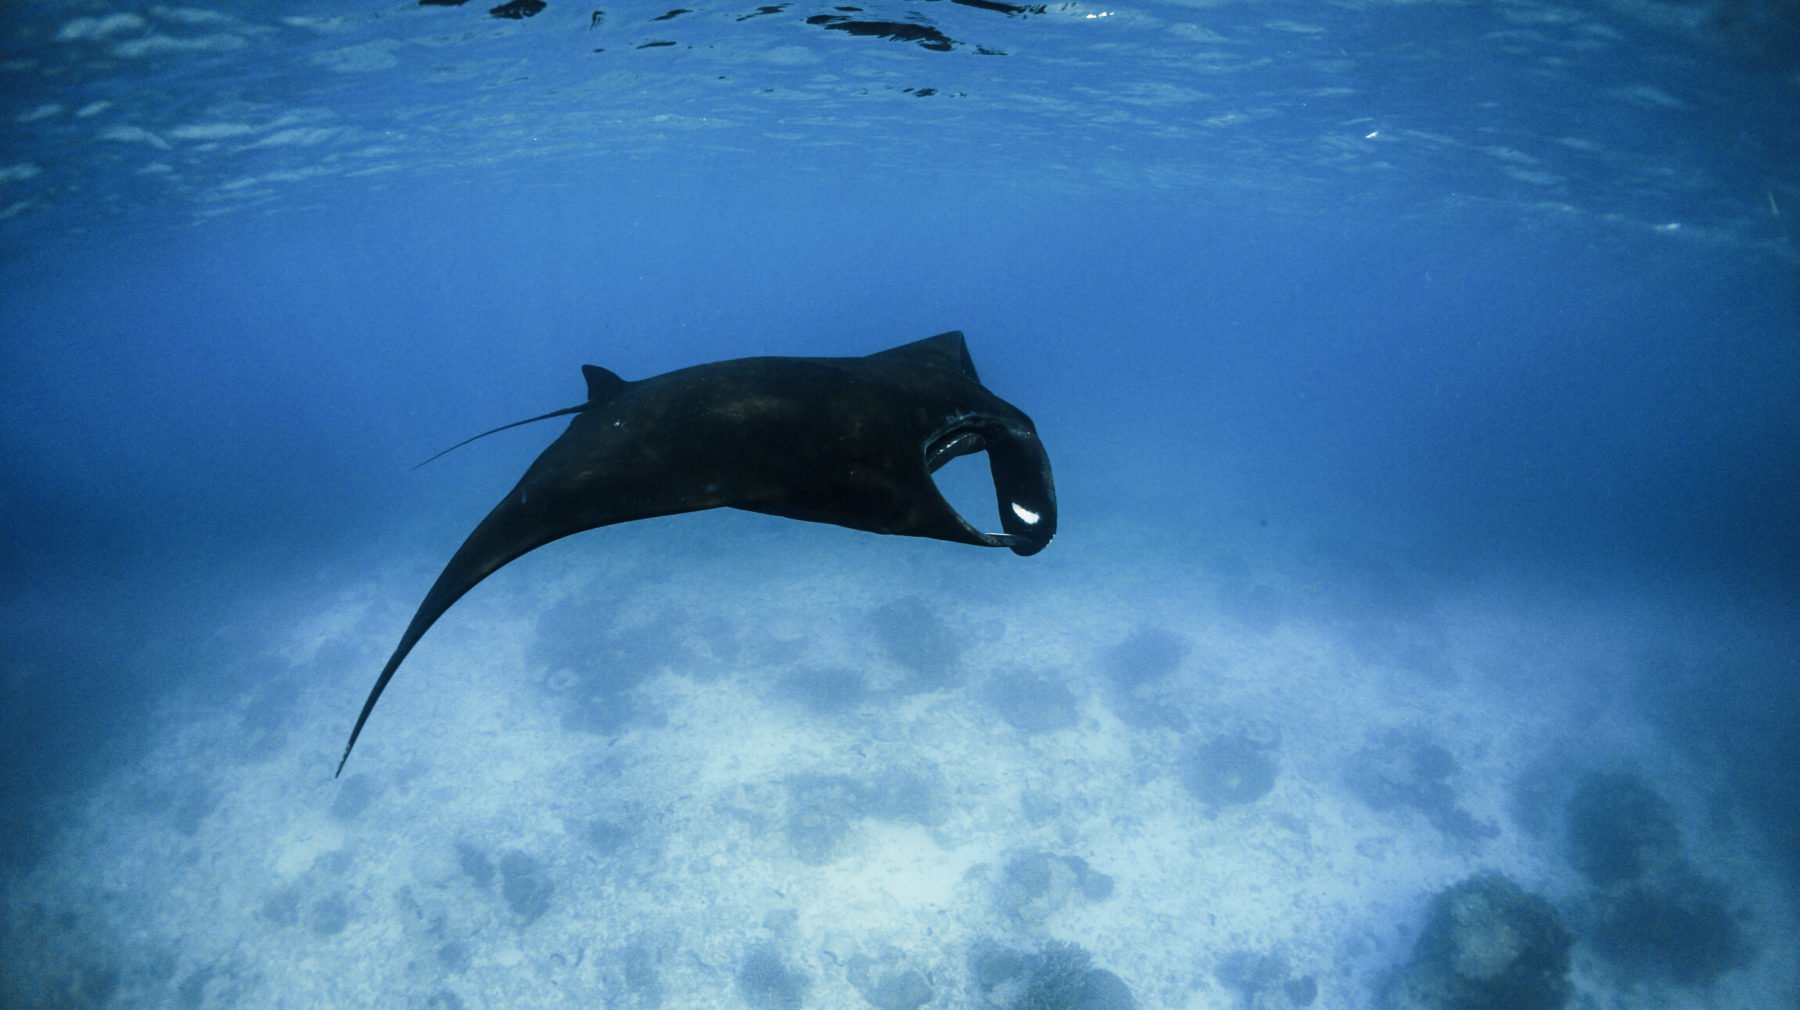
847 441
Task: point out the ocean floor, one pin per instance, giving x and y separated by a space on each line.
725 761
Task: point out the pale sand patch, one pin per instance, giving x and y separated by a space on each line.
671 836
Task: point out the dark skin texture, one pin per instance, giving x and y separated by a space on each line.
847 441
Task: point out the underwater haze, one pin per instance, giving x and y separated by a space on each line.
1421 631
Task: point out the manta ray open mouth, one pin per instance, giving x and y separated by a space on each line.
1021 480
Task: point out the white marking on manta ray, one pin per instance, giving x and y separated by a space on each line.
1024 513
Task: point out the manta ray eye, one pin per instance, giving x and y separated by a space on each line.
1027 516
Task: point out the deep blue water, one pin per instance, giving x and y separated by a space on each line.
1502 297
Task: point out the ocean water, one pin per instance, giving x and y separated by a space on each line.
1422 386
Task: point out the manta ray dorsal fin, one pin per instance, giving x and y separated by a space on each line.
603 384
947 347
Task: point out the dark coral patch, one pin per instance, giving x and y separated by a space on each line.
1032 702
1229 771
1145 655
916 637
526 885
1487 945
1035 884
1620 830
1402 769
1058 976
767 982
1679 930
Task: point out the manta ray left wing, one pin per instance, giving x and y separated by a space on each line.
847 441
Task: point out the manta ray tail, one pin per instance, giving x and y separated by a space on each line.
602 384
578 408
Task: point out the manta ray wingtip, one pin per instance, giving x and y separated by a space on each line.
350 745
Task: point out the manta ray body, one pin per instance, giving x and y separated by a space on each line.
847 441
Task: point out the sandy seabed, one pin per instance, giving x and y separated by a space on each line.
726 761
